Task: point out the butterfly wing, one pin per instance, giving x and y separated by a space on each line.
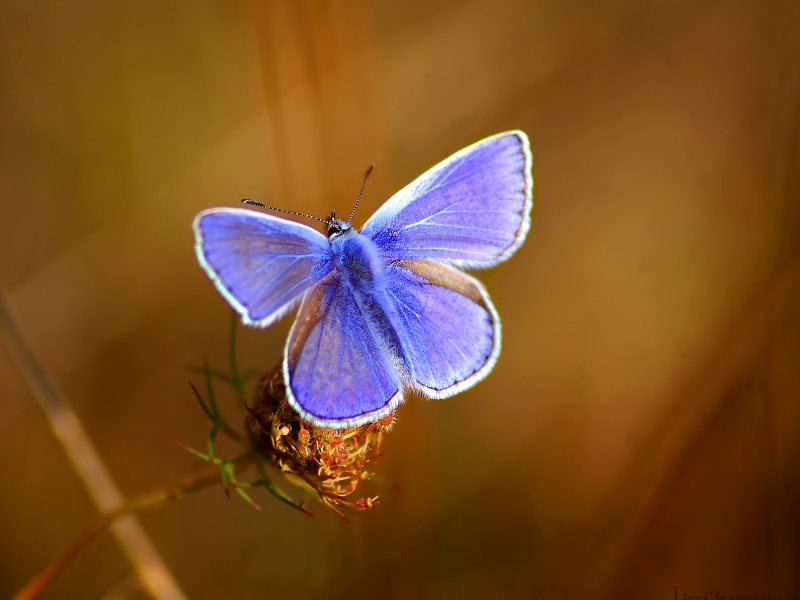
448 327
343 361
261 264
471 210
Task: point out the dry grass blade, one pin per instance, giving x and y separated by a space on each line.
86 462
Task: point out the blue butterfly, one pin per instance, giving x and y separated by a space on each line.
386 309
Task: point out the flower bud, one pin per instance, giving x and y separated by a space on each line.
332 462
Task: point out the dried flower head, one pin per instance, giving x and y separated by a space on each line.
331 461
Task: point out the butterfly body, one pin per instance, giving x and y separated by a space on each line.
356 260
385 309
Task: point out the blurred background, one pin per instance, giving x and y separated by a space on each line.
640 435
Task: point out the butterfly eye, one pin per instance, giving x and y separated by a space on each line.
337 228
334 230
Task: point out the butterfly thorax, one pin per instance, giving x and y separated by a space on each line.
355 259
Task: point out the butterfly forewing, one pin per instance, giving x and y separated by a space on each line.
471 210
261 264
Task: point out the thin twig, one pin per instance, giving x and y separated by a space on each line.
135 505
86 461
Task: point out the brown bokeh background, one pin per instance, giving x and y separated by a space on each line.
642 427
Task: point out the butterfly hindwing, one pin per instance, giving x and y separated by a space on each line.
343 361
261 264
471 210
447 325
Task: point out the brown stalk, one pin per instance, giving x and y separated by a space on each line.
135 505
86 461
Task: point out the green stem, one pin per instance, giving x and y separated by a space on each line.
238 384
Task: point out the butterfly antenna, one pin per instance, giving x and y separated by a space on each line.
290 212
366 176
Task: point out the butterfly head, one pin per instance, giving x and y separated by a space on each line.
336 227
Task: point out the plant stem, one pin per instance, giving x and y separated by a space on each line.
238 384
135 505
86 460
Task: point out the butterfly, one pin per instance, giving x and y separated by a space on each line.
386 309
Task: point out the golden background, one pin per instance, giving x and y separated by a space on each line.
640 435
